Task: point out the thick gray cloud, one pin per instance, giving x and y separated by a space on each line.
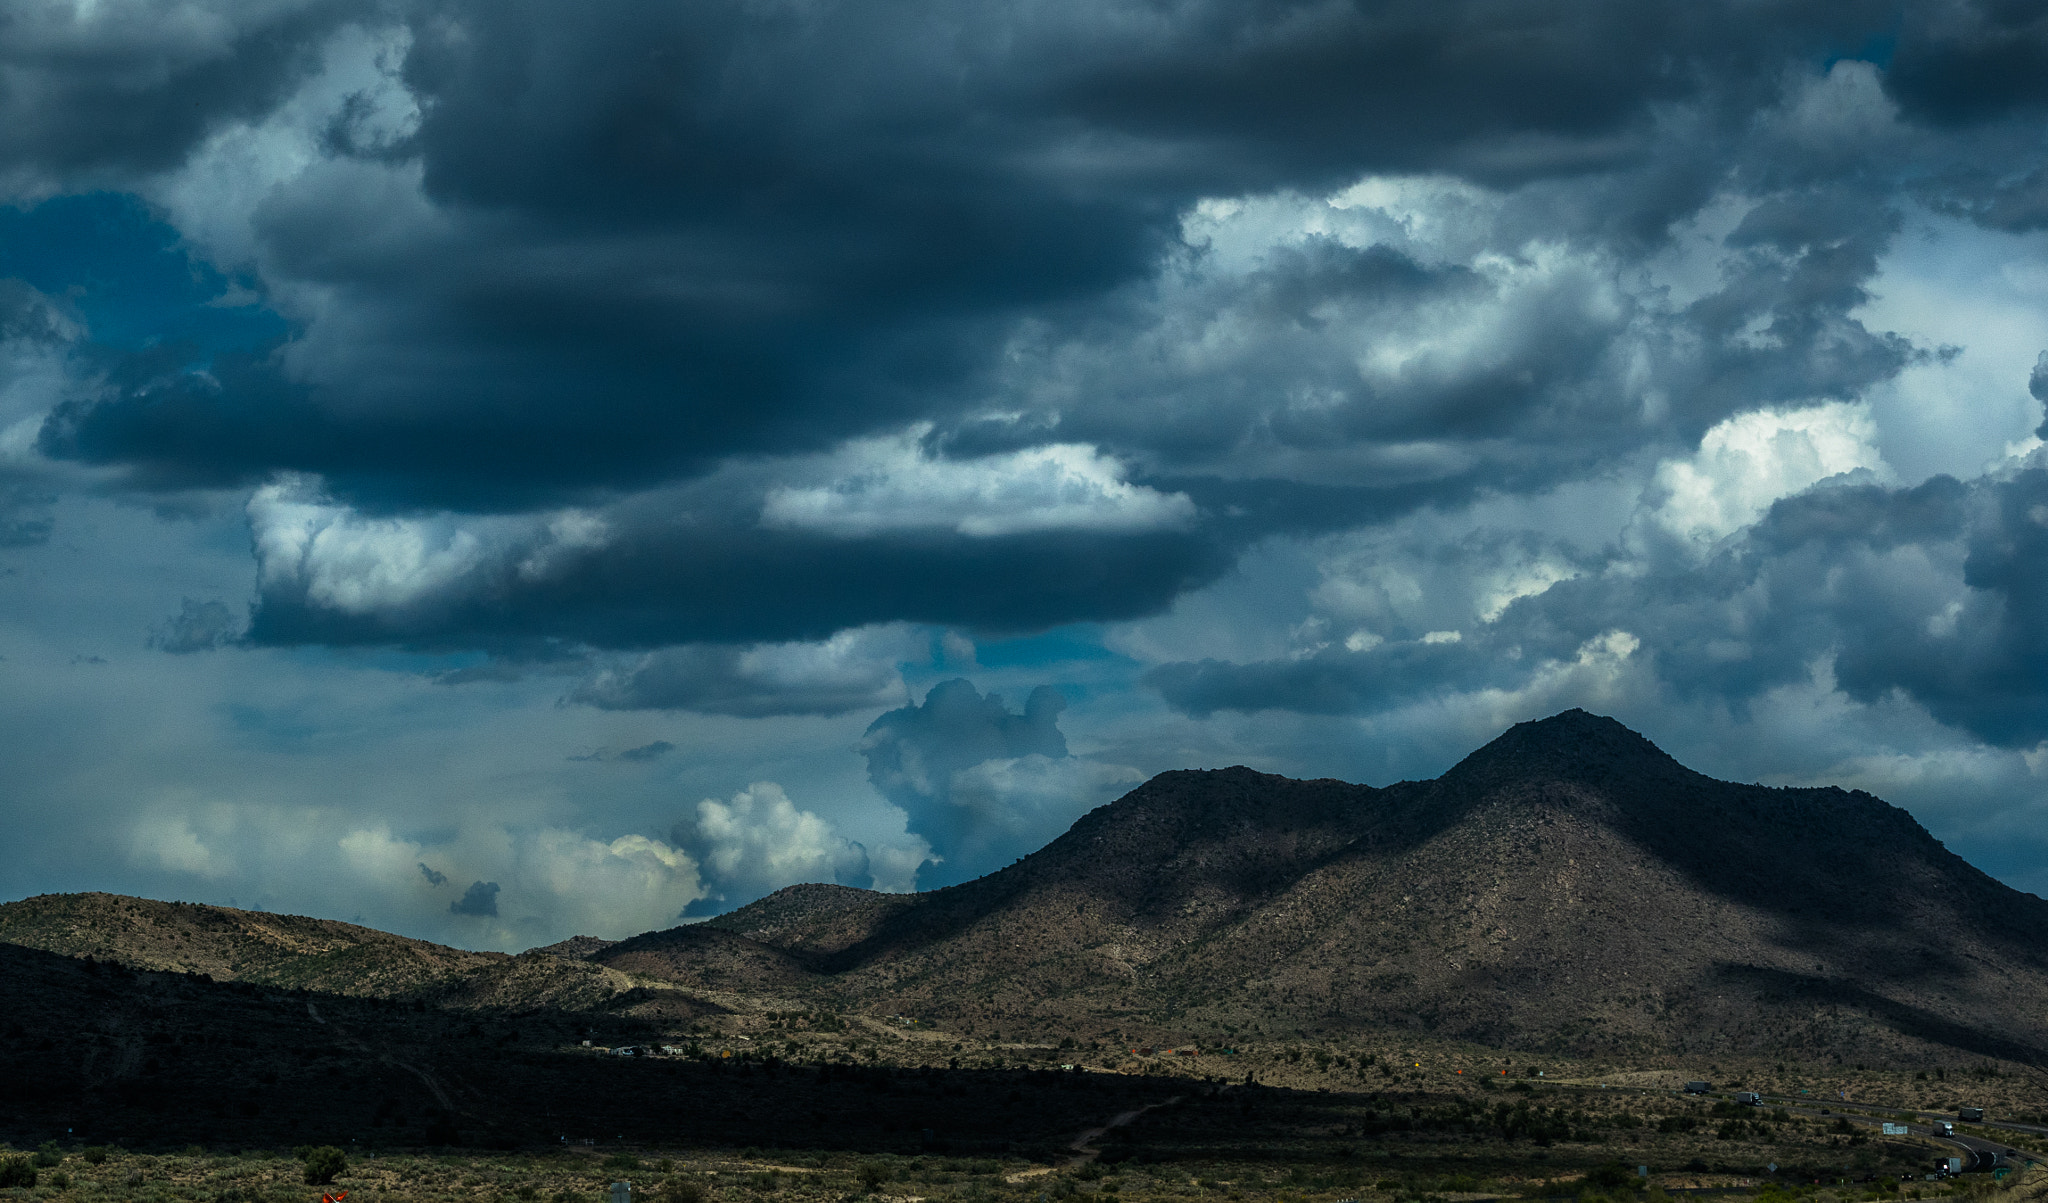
853 671
481 898
639 242
1933 591
108 92
1971 60
916 755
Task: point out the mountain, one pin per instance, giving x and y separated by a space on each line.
1568 886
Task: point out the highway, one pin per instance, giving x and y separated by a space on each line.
1984 1155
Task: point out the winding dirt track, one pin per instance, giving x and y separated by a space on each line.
1083 1144
426 1079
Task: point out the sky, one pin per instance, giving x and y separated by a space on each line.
497 470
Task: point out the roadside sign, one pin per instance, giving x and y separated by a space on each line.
1896 1129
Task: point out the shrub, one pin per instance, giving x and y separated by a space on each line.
95 1155
49 1154
1610 1176
16 1171
322 1164
683 1192
872 1175
622 1161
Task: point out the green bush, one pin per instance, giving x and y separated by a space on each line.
622 1161
48 1154
16 1171
872 1175
322 1164
95 1154
683 1192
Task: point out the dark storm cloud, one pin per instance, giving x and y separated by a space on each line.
914 753
675 585
668 235
622 248
434 876
1971 60
480 899
198 626
1938 592
111 91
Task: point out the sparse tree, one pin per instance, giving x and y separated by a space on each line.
323 1163
17 1172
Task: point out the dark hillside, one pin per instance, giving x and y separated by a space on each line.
1569 886
97 1053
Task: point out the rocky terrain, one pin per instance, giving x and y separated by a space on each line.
1568 889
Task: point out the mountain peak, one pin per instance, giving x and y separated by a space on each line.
1572 744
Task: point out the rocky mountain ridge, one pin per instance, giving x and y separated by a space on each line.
1568 886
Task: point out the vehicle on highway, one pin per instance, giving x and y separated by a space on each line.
1972 1115
1942 1128
1698 1087
1749 1098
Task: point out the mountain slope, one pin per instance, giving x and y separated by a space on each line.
1569 885
293 951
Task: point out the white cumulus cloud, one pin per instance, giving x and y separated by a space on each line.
893 484
1753 459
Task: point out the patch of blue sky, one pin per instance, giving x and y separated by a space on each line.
1080 642
129 278
1876 50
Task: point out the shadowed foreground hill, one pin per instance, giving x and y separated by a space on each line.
96 1052
1567 886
